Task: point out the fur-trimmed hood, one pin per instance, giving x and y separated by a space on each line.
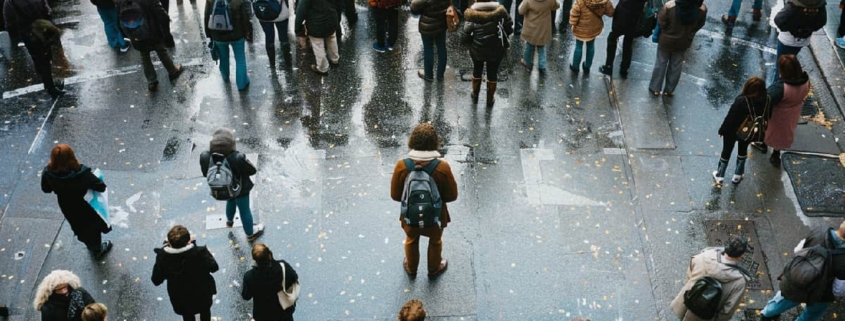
223 141
50 282
481 12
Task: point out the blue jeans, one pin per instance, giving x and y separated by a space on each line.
591 51
241 78
517 23
734 11
428 55
242 204
783 50
779 304
270 33
109 17
528 56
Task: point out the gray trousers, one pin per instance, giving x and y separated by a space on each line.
147 62
667 66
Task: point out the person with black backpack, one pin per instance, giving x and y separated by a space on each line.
228 172
423 184
714 283
751 104
796 20
809 277
228 24
486 31
21 17
147 25
273 16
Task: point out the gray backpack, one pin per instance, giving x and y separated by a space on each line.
421 203
219 19
222 181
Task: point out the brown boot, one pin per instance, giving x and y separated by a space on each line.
476 87
491 93
757 15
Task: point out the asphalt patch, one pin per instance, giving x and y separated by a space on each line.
817 182
719 231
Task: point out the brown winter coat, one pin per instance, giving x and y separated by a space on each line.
675 36
710 263
585 18
442 175
537 27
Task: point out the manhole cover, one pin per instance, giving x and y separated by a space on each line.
718 231
817 182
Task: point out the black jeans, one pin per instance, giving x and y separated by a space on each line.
841 30
42 55
390 17
728 147
92 240
492 69
627 48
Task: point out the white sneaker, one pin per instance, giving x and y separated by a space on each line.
736 179
257 230
717 179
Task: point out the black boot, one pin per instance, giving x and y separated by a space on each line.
286 54
271 55
607 70
4 311
775 158
739 173
100 251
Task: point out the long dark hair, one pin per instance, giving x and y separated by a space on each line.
754 87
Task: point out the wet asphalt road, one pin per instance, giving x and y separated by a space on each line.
579 195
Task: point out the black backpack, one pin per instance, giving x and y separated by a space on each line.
704 298
421 202
133 20
807 276
267 10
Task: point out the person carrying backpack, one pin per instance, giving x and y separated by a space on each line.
227 23
796 21
273 16
108 14
223 158
818 295
385 12
752 102
19 16
714 268
424 211
147 25
486 30
317 20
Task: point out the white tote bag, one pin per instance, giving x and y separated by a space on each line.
288 298
99 201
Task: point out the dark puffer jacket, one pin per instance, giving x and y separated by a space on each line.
432 16
19 22
57 306
739 111
481 31
70 189
187 271
262 285
239 13
320 17
802 17
627 16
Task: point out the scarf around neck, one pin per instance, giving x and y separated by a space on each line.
423 155
75 304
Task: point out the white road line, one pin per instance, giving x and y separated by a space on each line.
721 36
39 136
89 77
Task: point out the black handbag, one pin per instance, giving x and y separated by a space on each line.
648 20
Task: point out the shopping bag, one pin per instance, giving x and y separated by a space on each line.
99 201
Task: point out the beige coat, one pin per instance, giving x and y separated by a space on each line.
537 27
585 18
710 263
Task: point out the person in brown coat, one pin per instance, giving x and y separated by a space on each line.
679 20
424 144
536 31
585 19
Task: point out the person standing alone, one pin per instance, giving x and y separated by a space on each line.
486 30
424 156
678 21
228 24
433 31
187 268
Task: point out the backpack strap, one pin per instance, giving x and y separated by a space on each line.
431 166
409 164
742 270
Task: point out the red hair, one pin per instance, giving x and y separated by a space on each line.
63 160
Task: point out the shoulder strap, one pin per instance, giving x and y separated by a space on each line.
284 276
750 109
431 166
409 164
